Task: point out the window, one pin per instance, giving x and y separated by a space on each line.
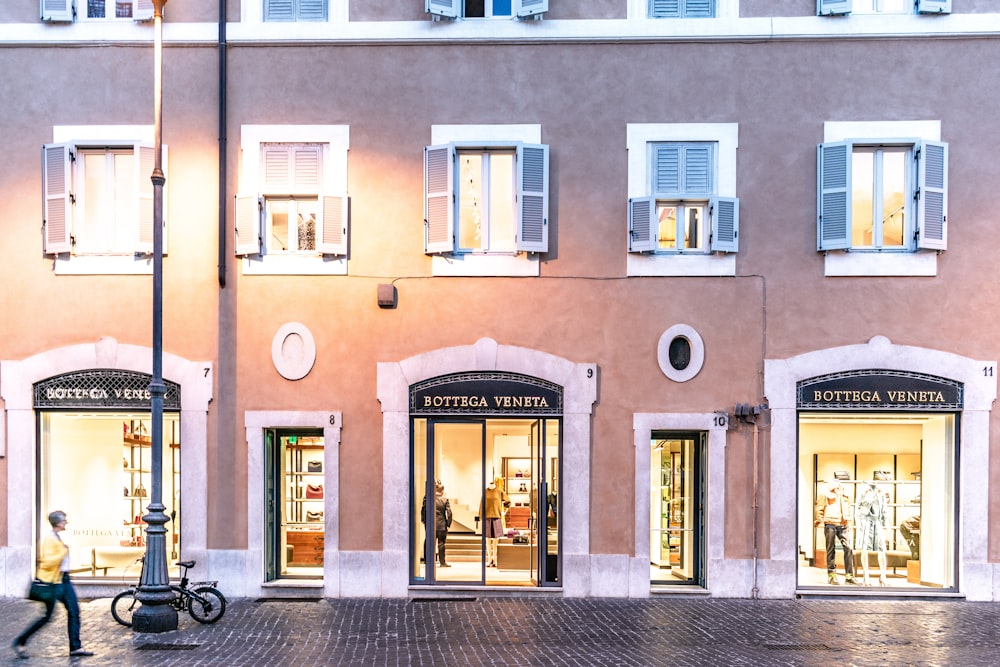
66 10
491 199
294 10
292 212
453 9
683 214
98 199
882 197
835 7
661 9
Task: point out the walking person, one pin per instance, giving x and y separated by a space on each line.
53 568
442 521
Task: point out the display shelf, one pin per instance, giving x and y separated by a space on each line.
303 518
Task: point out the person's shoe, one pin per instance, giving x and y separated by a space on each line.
444 565
80 653
851 580
832 579
20 650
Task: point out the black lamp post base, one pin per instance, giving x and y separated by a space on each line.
160 618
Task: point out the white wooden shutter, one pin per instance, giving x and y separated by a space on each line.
57 209
332 225
279 10
932 195
57 10
532 197
449 9
697 169
527 8
833 7
439 198
643 226
145 159
833 202
247 212
933 6
725 218
142 10
291 169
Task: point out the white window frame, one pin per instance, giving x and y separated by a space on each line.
682 6
101 136
638 137
455 10
296 10
724 9
252 12
878 264
480 264
876 7
336 138
142 10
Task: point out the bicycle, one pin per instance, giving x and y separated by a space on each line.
199 598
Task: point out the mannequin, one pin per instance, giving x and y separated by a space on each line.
491 508
869 515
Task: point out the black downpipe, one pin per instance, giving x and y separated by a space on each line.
222 143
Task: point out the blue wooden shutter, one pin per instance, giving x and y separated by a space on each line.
932 195
145 159
699 9
643 226
57 10
533 197
312 10
833 7
527 8
450 9
57 207
248 216
666 169
725 215
439 199
833 205
933 6
279 10
697 169
663 9
332 225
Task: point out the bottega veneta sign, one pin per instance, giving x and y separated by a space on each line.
880 390
102 388
488 393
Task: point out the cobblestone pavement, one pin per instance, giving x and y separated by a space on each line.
519 632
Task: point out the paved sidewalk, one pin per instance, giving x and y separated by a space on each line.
520 632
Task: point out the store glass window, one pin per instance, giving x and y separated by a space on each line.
877 500
97 467
675 504
296 504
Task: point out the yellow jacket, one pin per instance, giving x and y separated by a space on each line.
50 557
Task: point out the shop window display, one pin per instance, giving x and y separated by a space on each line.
100 465
877 500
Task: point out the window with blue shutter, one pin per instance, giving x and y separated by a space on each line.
454 9
833 7
933 6
932 195
660 9
295 10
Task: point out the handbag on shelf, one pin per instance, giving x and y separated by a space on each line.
140 491
314 491
883 475
841 474
314 466
41 591
314 516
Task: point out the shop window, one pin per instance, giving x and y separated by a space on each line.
661 9
295 10
296 507
98 468
676 508
894 478
454 9
291 215
839 7
98 199
67 10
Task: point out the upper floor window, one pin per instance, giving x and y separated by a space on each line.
683 212
98 199
835 7
291 215
882 196
67 10
295 10
681 8
486 199
454 9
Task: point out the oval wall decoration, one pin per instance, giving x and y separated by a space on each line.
293 351
680 353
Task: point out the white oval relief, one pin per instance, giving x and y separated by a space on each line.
680 353
293 351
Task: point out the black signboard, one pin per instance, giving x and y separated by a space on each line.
102 388
879 389
486 393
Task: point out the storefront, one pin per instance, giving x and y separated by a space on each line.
889 443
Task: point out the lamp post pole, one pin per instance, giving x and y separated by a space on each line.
156 614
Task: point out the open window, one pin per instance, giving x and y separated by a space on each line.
455 9
842 7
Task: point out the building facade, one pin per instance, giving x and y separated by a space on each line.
617 298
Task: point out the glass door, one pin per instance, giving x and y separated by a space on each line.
676 508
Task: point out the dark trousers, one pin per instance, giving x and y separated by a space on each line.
441 538
66 594
833 533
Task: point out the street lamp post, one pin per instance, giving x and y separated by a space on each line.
156 614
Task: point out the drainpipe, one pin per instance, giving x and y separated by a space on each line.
754 591
222 143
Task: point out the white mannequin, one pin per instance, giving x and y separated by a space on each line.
869 516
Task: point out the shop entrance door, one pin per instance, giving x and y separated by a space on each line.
499 485
677 507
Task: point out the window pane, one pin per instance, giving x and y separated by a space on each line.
501 7
306 220
893 200
692 227
91 234
95 9
123 9
125 198
278 241
501 213
475 8
667 234
470 194
863 178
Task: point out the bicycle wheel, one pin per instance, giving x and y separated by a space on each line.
212 609
123 606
